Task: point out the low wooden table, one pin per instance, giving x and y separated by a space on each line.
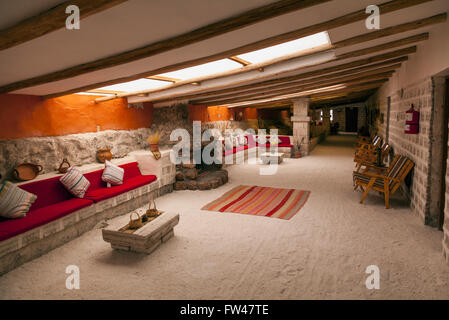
145 239
272 158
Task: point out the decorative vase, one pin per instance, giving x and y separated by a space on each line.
27 171
154 147
103 155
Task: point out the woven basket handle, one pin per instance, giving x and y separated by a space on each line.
154 203
131 216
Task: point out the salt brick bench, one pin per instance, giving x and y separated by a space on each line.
57 217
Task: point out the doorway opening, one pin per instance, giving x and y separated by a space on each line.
352 115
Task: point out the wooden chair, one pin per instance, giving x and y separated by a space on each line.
369 158
386 183
368 146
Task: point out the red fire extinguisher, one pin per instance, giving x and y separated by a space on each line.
412 121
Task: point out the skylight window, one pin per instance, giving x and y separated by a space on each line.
136 85
286 48
202 70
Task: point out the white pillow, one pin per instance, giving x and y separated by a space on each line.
112 174
14 202
75 182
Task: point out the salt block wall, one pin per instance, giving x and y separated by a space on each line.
47 131
417 147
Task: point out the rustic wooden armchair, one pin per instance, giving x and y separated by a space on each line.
368 158
368 142
386 183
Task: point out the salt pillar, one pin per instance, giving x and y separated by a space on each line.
301 124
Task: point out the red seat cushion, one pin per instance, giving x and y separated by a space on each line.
48 191
100 194
285 142
35 218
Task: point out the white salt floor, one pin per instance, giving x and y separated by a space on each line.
321 253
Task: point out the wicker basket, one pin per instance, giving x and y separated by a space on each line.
136 223
152 212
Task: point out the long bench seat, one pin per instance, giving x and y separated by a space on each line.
54 201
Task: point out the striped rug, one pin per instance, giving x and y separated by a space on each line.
261 201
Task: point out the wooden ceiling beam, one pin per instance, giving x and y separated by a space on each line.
388 32
269 94
360 66
50 20
212 30
248 68
385 32
162 78
192 37
288 98
357 53
345 75
240 60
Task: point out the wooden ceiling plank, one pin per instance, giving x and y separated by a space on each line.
342 75
348 68
294 89
162 78
248 68
357 53
177 42
287 99
50 20
290 91
240 60
206 32
385 32
384 46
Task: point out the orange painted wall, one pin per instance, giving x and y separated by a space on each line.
211 114
24 116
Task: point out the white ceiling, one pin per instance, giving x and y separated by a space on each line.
136 23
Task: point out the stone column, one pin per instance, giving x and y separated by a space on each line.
327 121
301 124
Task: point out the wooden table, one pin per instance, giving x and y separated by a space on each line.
145 239
272 158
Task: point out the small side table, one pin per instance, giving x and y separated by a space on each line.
272 158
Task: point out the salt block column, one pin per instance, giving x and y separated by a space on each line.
301 124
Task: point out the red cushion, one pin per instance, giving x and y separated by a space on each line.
128 184
48 191
285 142
35 218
